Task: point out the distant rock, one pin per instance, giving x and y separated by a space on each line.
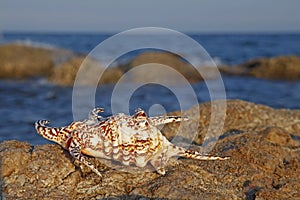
20 61
156 68
276 68
263 144
66 72
59 66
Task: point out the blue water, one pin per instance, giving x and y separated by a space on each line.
229 48
23 102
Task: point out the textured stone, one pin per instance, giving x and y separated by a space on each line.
264 164
240 116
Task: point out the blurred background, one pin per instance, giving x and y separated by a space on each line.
255 45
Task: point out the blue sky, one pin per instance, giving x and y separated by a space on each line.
119 15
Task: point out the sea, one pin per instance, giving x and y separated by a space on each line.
22 102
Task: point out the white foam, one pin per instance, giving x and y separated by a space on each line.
31 43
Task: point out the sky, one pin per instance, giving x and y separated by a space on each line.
180 15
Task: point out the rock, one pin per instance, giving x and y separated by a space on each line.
156 68
65 73
276 68
279 136
18 61
240 116
21 61
59 66
29 172
261 142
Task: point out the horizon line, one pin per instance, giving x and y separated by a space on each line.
191 32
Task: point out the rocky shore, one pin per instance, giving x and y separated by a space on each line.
276 68
263 145
60 66
19 61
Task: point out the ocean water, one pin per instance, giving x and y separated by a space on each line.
24 102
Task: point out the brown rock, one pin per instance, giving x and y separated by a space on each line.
278 136
263 164
31 172
156 64
60 66
240 116
18 61
66 72
277 68
21 61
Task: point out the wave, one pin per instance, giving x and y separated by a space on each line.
31 43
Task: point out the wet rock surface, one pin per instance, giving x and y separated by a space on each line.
263 144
